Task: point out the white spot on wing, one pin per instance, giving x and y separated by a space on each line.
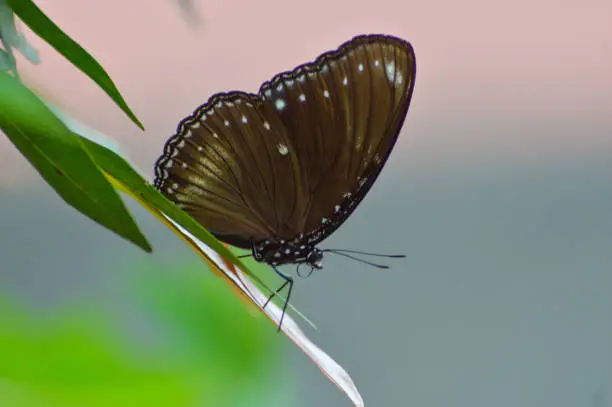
244 119
360 67
393 75
226 123
280 104
377 63
345 81
279 88
325 94
282 149
302 98
267 125
200 148
184 165
195 125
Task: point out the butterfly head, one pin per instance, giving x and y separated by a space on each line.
315 258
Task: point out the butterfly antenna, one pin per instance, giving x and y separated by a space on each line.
380 266
394 256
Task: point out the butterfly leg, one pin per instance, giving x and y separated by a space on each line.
288 281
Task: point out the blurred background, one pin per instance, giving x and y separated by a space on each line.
499 191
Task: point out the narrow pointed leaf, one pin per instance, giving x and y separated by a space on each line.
58 155
330 368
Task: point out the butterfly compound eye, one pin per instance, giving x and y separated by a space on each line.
315 258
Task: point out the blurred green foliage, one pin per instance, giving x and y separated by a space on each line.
205 351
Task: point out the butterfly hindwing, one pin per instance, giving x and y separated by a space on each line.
219 167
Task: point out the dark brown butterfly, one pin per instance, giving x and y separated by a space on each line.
279 171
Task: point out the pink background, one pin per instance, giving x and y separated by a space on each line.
499 66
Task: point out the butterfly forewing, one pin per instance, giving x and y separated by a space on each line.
343 113
298 157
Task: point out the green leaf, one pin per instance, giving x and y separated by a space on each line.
60 158
38 22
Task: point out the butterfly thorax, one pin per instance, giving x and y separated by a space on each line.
277 252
